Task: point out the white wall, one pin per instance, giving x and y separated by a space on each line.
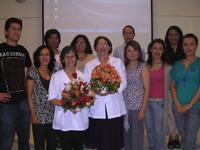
184 13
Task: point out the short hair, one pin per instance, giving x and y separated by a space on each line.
106 39
88 49
150 58
9 21
65 50
191 35
36 56
128 26
136 46
49 33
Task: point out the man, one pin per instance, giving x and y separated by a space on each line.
14 62
128 35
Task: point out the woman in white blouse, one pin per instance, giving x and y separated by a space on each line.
106 122
70 124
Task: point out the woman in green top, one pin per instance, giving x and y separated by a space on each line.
185 88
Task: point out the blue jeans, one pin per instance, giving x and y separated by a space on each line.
23 126
188 125
154 123
9 115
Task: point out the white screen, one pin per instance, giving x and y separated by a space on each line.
98 17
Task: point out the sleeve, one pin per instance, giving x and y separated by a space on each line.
32 74
86 74
173 74
28 62
122 72
53 88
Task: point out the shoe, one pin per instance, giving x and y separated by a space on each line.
171 145
177 144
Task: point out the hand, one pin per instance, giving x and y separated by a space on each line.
5 97
141 115
180 108
188 106
34 119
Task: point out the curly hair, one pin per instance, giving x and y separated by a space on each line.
88 49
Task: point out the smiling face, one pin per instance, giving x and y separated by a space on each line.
157 50
102 47
14 32
189 46
132 53
80 44
70 60
44 57
173 37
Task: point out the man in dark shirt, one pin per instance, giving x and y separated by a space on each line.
14 63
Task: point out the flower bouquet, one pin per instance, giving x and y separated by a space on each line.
105 79
76 95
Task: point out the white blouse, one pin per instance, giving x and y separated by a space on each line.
66 121
114 103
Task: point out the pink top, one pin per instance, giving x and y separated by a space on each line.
157 84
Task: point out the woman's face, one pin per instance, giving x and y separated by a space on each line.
53 41
173 37
189 46
70 60
44 57
102 48
132 53
157 50
80 44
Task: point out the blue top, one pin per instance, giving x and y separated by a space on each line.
187 81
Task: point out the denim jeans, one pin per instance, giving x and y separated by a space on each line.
23 126
154 123
188 125
8 121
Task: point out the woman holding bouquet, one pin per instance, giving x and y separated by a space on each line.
136 95
41 110
106 121
71 123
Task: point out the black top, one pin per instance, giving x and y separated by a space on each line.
171 57
13 60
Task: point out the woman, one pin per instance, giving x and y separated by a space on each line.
158 94
136 95
70 124
185 81
83 47
173 53
41 110
106 121
52 39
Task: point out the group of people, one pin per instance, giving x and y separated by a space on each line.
161 92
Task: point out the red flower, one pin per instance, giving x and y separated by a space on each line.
73 103
74 75
62 101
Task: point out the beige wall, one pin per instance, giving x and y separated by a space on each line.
184 13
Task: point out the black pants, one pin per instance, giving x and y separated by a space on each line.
43 133
71 140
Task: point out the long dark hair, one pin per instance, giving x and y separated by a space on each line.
169 50
36 56
136 46
88 49
150 46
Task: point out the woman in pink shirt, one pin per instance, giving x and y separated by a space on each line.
157 94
